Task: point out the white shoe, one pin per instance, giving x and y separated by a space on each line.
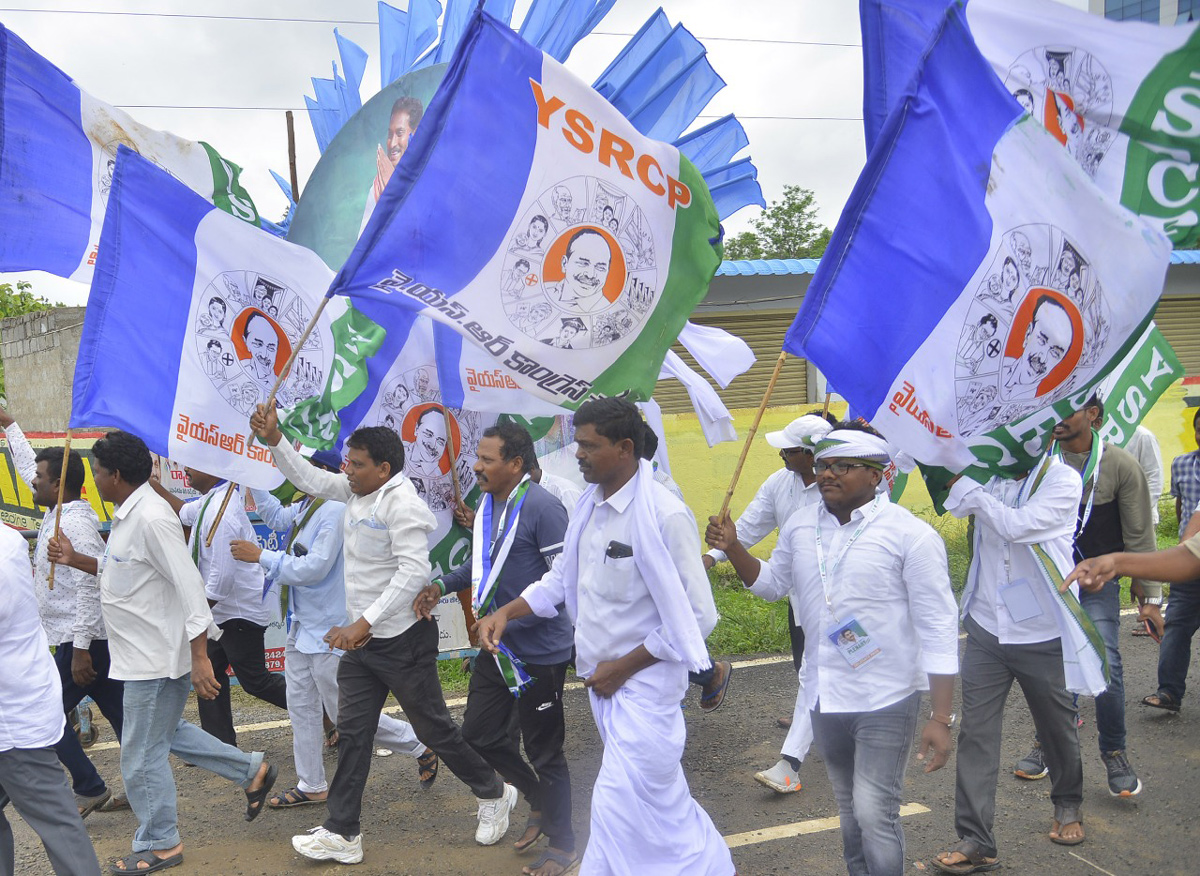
780 778
325 845
493 816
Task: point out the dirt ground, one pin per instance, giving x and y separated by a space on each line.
428 833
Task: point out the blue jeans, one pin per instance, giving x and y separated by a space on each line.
1175 652
1104 608
154 728
866 756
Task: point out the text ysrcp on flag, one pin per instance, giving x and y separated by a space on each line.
610 149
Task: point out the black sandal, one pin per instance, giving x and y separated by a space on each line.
255 800
427 767
534 823
1161 700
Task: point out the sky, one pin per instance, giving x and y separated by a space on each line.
793 70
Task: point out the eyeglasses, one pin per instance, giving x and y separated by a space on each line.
838 468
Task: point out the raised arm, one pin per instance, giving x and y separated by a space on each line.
309 478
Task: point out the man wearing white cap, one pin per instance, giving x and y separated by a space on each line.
882 627
793 486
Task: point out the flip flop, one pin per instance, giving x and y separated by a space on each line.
291 798
88 805
533 823
568 862
711 702
975 862
427 768
128 866
256 800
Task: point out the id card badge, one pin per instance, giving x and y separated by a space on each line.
854 644
1020 601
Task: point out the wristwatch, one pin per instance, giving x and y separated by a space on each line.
949 720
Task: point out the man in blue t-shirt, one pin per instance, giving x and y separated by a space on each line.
517 532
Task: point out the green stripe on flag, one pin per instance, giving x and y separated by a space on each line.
1051 574
694 261
314 422
228 194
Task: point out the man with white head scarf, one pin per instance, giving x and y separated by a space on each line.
793 486
872 589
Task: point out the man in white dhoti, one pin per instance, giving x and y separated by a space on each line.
631 578
881 627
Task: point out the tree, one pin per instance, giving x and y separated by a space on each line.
788 229
17 302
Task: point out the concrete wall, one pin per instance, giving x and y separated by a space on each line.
39 351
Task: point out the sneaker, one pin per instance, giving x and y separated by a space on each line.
780 778
1032 766
325 845
1122 780
493 816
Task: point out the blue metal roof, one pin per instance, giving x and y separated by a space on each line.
777 267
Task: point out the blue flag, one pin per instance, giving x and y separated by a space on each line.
978 283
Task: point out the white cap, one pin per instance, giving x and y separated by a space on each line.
810 426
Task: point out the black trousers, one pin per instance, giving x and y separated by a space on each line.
406 665
240 646
539 711
109 696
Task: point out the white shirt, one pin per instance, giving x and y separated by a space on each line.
386 545
1001 555
71 611
616 612
151 591
666 480
1144 447
777 499
893 580
235 588
561 489
31 714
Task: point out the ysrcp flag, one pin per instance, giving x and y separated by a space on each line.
1121 97
191 318
533 219
977 275
58 149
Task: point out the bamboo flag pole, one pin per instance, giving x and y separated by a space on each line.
737 472
220 513
62 484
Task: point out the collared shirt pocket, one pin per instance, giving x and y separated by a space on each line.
372 539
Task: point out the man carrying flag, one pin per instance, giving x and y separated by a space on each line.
1019 628
517 535
631 579
388 648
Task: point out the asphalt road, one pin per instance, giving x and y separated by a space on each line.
429 833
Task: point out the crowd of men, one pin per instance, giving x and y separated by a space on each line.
611 582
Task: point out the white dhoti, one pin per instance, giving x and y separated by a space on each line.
644 820
800 735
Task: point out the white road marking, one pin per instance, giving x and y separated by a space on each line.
799 828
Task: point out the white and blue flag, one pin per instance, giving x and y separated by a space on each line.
978 283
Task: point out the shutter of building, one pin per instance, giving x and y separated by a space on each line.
764 332
1178 319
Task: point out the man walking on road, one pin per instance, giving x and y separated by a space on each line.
388 648
70 613
517 534
631 579
1016 628
881 627
158 623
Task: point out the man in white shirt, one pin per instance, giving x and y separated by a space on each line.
792 487
386 555
558 487
1024 529
235 594
31 721
70 613
631 580
882 627
158 623
310 566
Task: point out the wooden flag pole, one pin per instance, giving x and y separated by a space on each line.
825 410
220 513
287 366
737 472
62 484
291 131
